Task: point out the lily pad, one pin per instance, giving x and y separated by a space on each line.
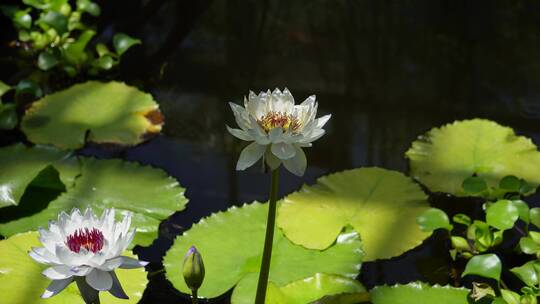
382 205
94 111
446 156
231 246
149 193
418 293
20 165
304 291
21 281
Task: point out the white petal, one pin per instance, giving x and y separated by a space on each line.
250 155
241 134
275 135
131 263
99 280
39 255
58 272
310 101
283 150
321 121
240 115
271 160
111 264
55 287
313 136
297 164
116 289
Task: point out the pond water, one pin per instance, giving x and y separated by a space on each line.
386 71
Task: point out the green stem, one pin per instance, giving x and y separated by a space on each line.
194 297
268 240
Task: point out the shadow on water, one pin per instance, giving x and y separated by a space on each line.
387 71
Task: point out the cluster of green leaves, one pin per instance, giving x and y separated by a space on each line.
9 117
53 30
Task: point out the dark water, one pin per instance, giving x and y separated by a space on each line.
386 70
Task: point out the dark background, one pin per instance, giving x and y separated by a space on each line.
388 71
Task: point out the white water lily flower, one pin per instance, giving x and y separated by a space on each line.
87 250
278 128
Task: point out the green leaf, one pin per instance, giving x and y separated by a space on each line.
22 19
433 219
21 280
303 291
523 210
528 245
382 205
28 87
123 42
102 50
20 165
8 116
75 52
534 216
4 88
446 156
148 193
418 293
487 266
55 20
528 273
502 215
47 60
104 63
474 185
89 7
460 243
231 246
461 218
510 297
109 112
510 183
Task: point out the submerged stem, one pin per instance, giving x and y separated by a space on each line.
268 240
194 297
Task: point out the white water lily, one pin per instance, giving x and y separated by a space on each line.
87 250
278 128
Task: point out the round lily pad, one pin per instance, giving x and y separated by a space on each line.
303 291
419 293
231 246
21 281
149 193
446 156
111 112
19 166
382 205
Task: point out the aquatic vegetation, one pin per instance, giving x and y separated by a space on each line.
232 244
374 201
87 250
193 272
61 40
419 293
21 280
444 157
107 113
278 128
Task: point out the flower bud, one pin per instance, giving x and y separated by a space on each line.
193 269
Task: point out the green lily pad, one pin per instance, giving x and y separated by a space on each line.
303 291
382 205
149 193
418 293
502 214
21 281
231 246
20 165
98 112
433 219
446 156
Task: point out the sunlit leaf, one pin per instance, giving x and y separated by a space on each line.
446 156
150 194
510 297
382 205
534 216
433 219
303 291
502 215
529 273
418 293
98 112
21 281
22 19
461 218
47 60
74 52
4 88
528 245
523 210
486 265
123 42
231 245
55 20
88 6
20 165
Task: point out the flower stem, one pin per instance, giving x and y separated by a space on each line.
268 240
194 297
